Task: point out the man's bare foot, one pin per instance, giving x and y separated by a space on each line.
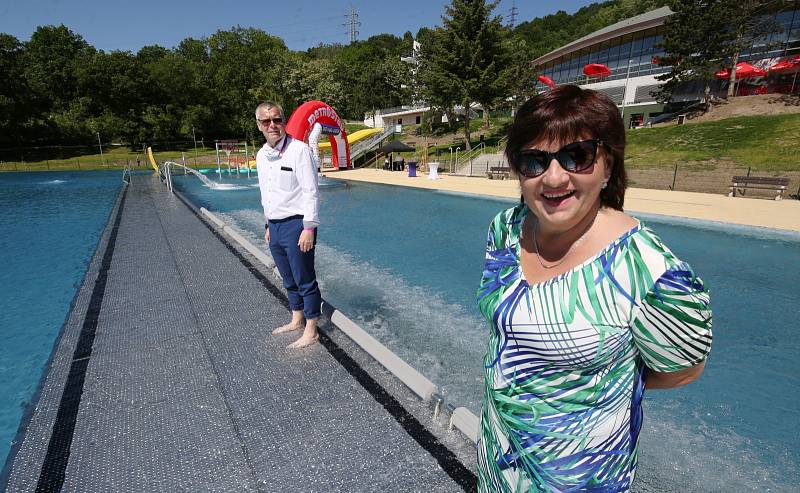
304 341
287 328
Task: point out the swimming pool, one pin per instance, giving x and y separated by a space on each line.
405 263
49 228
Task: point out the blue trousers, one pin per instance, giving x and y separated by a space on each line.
296 267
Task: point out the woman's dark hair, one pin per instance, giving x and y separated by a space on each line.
568 113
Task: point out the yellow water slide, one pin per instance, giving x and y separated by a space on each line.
152 160
355 136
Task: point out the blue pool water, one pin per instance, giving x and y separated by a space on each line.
405 263
49 227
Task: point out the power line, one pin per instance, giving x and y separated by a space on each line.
296 30
315 29
303 21
513 16
352 24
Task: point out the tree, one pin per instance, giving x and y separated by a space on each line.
749 27
312 79
703 37
371 71
13 91
464 60
194 50
109 86
241 60
51 58
518 75
438 87
547 33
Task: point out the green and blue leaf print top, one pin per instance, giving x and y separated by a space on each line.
565 366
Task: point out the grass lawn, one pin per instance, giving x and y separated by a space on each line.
767 143
351 127
115 157
763 143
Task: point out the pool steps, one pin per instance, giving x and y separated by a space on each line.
461 418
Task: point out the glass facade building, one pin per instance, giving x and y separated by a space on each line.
630 50
631 55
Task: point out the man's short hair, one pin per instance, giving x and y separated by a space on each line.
268 105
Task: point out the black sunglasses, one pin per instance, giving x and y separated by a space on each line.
574 158
265 121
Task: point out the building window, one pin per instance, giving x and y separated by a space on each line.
601 56
419 119
399 121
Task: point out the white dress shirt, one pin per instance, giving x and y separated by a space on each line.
287 178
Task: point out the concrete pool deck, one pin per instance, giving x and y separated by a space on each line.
781 214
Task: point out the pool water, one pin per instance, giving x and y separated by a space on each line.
49 227
405 264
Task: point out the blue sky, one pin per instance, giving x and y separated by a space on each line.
129 25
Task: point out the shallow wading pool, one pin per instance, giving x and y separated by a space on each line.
405 263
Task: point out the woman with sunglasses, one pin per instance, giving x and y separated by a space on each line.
587 308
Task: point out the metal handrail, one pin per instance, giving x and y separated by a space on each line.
126 171
168 174
365 146
501 144
482 149
469 156
373 160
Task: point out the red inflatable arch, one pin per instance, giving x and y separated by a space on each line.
301 124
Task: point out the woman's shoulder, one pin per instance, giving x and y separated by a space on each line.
511 216
615 225
649 263
653 252
505 225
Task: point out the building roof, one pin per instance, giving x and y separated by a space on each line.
634 24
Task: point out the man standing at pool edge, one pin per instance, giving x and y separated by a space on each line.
287 178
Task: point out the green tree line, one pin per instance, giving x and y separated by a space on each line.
58 89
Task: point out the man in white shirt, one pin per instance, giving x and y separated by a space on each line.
287 177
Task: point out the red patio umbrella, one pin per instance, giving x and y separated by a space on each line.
788 65
596 70
546 80
744 70
723 74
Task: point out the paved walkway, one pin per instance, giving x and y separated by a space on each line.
166 379
783 214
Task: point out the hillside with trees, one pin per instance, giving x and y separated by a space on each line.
60 90
547 33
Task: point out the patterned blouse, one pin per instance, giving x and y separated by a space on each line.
565 366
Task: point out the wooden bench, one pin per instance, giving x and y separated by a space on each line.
742 183
499 172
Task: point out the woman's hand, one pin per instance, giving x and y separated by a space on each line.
266 235
661 380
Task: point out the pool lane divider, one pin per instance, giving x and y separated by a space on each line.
54 467
444 456
461 418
